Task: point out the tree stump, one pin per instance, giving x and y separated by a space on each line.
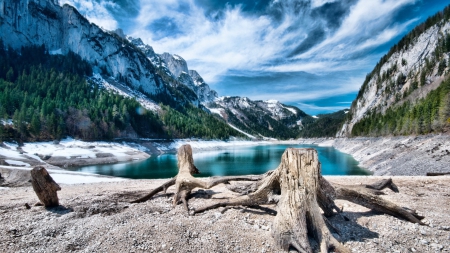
185 182
45 187
304 192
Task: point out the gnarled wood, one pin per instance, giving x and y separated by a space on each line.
365 197
45 187
304 192
185 182
298 211
385 183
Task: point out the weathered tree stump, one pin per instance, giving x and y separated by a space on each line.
185 182
304 192
45 187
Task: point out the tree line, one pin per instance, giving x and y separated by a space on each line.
50 97
430 114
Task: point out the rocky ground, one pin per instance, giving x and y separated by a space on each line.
98 218
398 155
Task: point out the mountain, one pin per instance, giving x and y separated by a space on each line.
407 92
259 119
139 93
323 125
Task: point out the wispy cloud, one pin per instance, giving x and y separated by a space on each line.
273 36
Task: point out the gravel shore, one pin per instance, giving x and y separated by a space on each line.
399 156
98 218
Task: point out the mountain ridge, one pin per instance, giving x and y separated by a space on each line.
411 69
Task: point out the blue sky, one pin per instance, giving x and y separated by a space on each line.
313 54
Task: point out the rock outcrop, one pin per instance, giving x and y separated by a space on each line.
408 72
64 29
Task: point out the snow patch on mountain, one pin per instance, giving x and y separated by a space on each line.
116 87
239 130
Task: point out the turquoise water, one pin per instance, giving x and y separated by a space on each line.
229 162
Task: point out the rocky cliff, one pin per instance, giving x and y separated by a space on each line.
259 118
415 66
63 29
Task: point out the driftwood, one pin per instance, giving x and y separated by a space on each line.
45 187
185 182
434 174
303 194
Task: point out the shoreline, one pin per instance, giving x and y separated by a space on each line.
383 156
395 155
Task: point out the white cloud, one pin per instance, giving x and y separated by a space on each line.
213 43
318 3
306 92
369 24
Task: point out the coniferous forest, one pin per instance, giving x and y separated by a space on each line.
430 114
50 97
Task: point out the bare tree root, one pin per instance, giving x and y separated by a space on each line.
385 183
298 211
185 182
364 197
155 191
304 195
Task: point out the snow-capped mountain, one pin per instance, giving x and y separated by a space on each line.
259 118
64 29
129 67
415 66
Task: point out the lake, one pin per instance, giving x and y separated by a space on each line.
228 162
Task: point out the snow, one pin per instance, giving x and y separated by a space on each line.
217 111
10 152
291 110
57 51
239 130
7 122
315 117
127 92
17 163
214 144
177 57
271 103
69 148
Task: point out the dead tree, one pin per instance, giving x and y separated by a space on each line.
45 187
185 182
304 192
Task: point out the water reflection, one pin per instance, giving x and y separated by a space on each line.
233 161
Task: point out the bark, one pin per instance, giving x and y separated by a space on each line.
185 182
298 212
365 197
385 183
304 195
45 187
434 174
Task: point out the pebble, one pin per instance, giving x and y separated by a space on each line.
425 242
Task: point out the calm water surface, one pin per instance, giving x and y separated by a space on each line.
229 162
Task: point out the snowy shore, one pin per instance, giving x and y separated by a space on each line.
404 155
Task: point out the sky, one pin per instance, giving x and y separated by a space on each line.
313 54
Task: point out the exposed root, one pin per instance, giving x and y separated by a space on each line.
185 182
304 195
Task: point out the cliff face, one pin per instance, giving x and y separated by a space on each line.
407 73
60 29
